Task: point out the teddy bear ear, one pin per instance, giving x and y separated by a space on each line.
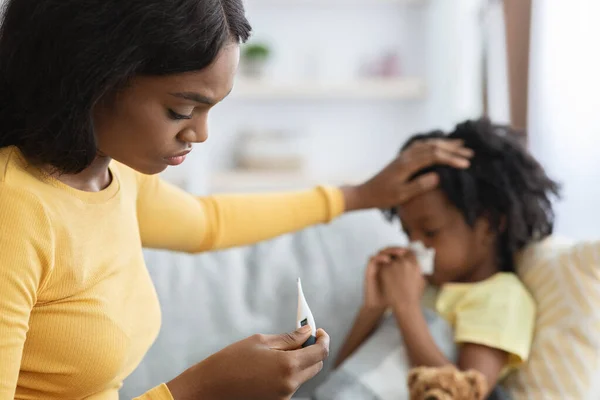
478 383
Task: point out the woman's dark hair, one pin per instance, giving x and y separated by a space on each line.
504 184
58 58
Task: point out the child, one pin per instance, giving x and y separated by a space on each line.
476 220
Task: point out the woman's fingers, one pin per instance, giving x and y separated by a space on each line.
289 340
437 151
433 156
311 356
418 186
453 146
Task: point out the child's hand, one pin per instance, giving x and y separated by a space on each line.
402 281
374 295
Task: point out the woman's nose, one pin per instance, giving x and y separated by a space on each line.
196 133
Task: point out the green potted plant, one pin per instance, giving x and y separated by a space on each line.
254 59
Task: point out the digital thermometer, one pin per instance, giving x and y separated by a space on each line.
305 317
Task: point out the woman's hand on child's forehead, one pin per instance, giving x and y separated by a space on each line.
391 187
425 153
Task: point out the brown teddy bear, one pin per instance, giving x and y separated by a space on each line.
446 383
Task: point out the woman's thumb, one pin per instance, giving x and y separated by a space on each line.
291 340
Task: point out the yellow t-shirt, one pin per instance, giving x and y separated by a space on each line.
78 310
498 312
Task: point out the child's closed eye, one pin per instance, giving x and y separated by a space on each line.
431 233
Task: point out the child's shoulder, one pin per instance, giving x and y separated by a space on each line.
503 285
498 281
504 280
500 291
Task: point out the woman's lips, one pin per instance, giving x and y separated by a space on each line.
178 159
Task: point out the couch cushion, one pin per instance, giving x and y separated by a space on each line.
564 362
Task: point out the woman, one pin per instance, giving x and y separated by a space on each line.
96 97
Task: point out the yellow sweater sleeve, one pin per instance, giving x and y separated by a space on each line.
160 392
25 263
172 219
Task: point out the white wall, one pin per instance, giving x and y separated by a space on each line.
563 115
438 40
349 134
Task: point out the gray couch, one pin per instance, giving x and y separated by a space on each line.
211 300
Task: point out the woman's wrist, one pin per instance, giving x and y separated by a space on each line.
356 198
192 384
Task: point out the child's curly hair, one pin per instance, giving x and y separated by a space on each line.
504 183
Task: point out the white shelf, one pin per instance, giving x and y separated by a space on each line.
360 89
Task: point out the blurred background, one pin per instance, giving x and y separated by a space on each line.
328 90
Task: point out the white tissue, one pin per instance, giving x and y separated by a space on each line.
425 256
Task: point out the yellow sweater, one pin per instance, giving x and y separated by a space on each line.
78 310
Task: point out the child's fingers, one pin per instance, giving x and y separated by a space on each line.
382 259
410 264
371 271
394 252
378 260
411 257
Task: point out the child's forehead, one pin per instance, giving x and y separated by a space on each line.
430 205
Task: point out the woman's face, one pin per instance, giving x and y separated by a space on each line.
154 121
460 248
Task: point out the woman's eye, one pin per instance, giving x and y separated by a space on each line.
177 116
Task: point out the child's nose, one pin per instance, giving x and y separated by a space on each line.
420 237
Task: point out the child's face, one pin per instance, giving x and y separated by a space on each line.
460 248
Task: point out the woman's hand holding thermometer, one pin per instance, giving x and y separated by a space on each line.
261 367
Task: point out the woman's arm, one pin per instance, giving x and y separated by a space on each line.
171 219
364 325
26 246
